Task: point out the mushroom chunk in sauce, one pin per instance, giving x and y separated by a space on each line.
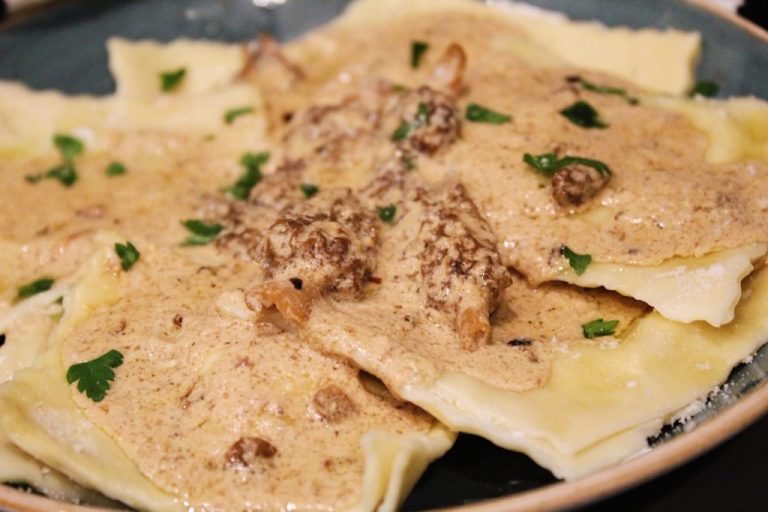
329 243
576 184
460 266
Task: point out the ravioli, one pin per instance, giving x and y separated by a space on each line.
214 392
27 327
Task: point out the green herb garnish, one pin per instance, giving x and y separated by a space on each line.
387 213
422 114
406 127
401 131
548 163
38 286
480 114
202 233
251 176
128 254
418 49
399 88
309 190
231 115
599 327
578 262
94 377
115 169
706 88
408 163
171 80
583 114
68 146
603 89
65 173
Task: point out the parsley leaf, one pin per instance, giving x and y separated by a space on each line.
418 49
599 327
309 190
548 163
232 114
603 89
399 88
94 377
65 173
68 146
251 176
706 88
406 127
408 163
401 131
422 114
480 114
387 213
583 114
128 254
578 262
171 80
115 169
202 233
38 286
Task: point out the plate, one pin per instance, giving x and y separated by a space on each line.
62 47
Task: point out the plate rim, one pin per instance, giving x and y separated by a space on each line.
562 495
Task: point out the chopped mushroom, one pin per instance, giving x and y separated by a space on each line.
247 451
460 266
332 404
266 50
576 184
429 121
448 73
329 243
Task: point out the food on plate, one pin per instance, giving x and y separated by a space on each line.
283 276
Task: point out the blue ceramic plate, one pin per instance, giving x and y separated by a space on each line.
63 47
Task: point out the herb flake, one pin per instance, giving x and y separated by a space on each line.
401 132
251 176
387 213
583 114
603 89
599 327
706 88
309 189
548 164
37 286
480 114
232 114
578 262
171 80
65 173
68 146
94 377
115 169
418 49
128 254
202 232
